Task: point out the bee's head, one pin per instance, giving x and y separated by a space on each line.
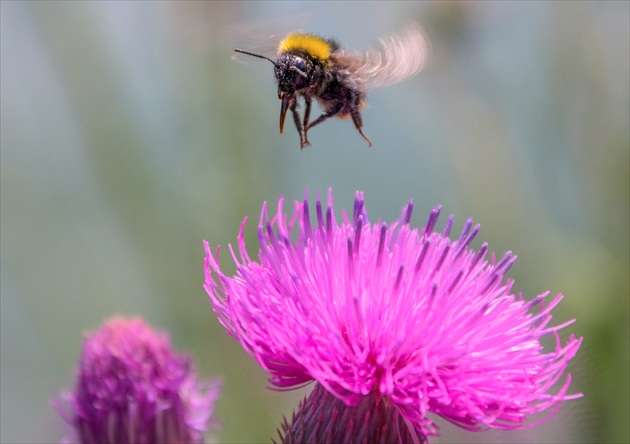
294 73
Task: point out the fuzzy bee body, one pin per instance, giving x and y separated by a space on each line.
313 67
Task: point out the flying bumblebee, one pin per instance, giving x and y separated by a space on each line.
318 68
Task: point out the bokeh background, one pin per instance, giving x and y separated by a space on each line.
129 135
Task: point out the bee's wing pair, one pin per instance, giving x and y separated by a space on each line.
399 57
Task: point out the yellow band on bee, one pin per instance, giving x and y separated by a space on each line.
315 46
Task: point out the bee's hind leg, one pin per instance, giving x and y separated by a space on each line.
358 123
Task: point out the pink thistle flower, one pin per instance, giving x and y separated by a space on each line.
399 315
132 388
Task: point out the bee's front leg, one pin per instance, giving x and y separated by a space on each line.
307 115
298 124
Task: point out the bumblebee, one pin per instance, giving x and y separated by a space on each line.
314 67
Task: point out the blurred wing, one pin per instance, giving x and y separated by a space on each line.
399 57
263 36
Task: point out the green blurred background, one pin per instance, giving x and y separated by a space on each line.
129 135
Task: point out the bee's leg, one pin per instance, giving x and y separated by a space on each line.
354 112
358 122
327 115
307 114
298 124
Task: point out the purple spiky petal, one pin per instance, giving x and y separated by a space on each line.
394 312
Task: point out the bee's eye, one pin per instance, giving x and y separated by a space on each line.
300 64
299 67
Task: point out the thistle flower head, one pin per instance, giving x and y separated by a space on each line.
394 312
133 388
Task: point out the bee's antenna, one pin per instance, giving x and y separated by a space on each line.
255 55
